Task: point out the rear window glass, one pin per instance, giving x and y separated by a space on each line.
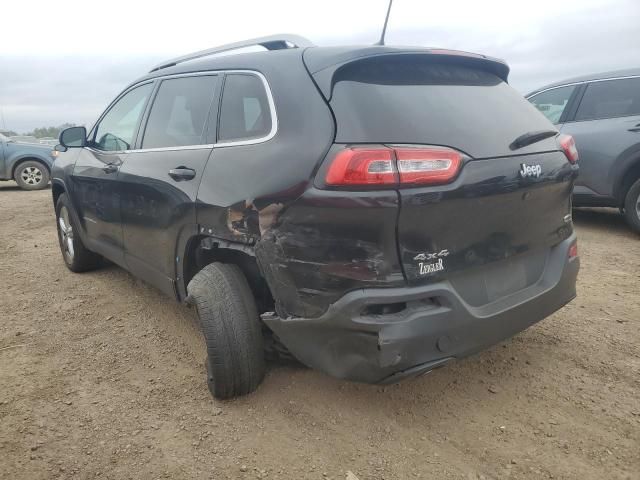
613 98
416 101
244 112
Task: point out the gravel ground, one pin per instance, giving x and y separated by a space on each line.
102 376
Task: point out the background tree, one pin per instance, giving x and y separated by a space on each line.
49 131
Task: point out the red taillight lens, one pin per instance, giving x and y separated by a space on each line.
363 166
393 166
568 145
573 250
427 166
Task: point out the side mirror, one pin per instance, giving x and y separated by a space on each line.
60 148
73 137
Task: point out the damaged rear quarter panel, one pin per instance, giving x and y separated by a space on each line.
312 245
328 243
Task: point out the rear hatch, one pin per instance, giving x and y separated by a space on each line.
489 228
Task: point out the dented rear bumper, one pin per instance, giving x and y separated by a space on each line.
431 326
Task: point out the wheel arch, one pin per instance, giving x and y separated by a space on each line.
28 158
201 250
628 175
57 189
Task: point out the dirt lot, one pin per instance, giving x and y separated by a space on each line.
102 376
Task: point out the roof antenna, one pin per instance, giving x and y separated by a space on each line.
384 29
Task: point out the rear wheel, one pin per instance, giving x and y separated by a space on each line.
232 330
76 256
31 175
632 206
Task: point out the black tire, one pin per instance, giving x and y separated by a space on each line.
232 330
632 206
80 259
31 175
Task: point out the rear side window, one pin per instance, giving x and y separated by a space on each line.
180 111
552 103
612 98
413 99
244 111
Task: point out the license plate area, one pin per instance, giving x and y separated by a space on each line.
487 283
504 279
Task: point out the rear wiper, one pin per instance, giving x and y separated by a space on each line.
531 137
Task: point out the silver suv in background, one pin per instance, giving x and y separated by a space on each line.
602 113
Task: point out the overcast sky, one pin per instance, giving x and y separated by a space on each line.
64 61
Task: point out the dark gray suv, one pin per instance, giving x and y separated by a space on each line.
602 113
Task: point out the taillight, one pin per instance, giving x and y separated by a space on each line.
568 145
394 166
427 166
363 166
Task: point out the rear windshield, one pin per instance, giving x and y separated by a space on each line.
400 101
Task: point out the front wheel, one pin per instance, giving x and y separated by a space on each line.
31 175
76 256
232 329
632 206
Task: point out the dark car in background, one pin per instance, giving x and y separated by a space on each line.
28 164
378 211
602 113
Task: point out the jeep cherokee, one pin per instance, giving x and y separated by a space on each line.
374 211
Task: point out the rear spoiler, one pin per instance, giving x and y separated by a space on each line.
323 63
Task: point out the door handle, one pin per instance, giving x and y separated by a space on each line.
635 129
110 168
182 173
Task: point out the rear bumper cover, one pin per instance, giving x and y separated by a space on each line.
436 326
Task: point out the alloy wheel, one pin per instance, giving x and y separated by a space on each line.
66 233
31 175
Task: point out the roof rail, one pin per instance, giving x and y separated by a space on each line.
272 42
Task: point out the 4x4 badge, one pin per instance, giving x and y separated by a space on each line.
431 256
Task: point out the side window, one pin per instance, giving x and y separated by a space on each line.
613 98
180 111
244 111
553 102
116 129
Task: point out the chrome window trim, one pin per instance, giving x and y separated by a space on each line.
272 110
106 152
170 149
158 149
583 82
251 141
